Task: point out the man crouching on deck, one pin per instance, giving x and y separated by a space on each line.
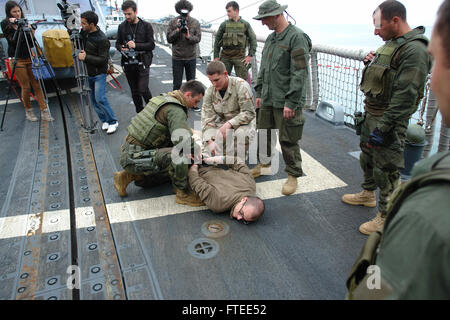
147 151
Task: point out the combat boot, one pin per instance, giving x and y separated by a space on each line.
290 185
364 198
45 115
29 114
188 198
372 225
121 181
256 171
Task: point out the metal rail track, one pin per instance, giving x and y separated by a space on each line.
56 241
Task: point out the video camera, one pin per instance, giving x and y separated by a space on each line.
132 56
21 22
183 24
70 13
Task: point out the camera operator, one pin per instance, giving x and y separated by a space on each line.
96 56
135 41
183 33
14 21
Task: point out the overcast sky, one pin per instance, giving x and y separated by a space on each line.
419 12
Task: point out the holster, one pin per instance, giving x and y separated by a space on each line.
358 116
366 258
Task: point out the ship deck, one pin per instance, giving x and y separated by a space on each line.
59 209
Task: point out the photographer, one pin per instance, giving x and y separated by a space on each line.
14 21
183 33
95 55
135 41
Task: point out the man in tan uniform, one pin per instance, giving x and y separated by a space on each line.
233 189
228 104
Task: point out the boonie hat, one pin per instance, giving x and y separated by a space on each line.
269 8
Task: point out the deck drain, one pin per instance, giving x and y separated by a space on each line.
215 229
203 248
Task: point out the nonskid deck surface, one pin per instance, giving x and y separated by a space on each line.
63 227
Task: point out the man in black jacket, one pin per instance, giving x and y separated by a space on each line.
96 55
135 41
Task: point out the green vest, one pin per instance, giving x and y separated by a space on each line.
379 74
234 36
439 172
146 129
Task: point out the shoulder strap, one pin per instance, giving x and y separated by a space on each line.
397 51
162 100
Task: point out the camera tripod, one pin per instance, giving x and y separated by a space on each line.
24 33
80 69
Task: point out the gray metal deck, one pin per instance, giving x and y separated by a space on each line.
59 208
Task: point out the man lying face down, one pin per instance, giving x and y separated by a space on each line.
223 189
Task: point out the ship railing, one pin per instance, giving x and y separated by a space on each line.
333 86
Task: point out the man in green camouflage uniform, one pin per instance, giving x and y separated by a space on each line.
228 112
281 89
410 257
393 83
153 134
233 37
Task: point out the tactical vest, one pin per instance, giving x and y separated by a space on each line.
440 172
379 74
146 129
234 36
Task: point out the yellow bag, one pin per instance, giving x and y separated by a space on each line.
58 48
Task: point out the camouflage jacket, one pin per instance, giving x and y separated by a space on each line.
236 107
394 91
284 69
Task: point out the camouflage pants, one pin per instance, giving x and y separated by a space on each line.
289 134
154 165
381 166
239 67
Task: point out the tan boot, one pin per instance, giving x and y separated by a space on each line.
188 198
121 181
372 225
290 185
364 198
256 171
29 115
45 115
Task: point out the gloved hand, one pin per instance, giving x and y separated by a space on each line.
376 138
